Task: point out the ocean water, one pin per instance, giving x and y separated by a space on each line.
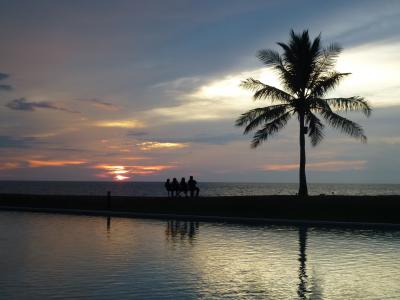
207 188
52 256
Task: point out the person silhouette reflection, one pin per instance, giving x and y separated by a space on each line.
181 229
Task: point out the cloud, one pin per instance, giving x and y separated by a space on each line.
374 71
5 87
371 24
34 142
217 139
101 104
389 140
7 141
3 76
137 133
25 105
335 165
50 132
9 165
54 163
120 124
213 139
148 146
219 98
177 86
66 149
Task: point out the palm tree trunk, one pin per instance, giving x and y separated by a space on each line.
302 170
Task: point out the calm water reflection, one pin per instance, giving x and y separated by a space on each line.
181 230
58 256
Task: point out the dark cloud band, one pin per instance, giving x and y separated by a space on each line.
5 87
25 105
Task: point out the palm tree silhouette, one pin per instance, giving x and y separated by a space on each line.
306 71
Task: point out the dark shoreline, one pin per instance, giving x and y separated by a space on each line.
325 210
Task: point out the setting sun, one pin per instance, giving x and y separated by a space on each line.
121 178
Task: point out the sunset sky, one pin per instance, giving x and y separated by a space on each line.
145 90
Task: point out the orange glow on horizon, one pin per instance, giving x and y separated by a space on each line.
120 124
114 171
335 165
9 165
147 146
121 173
54 163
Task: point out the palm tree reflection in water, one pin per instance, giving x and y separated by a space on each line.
310 290
302 288
182 230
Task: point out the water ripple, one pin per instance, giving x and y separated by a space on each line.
45 256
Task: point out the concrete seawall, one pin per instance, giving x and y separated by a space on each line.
325 209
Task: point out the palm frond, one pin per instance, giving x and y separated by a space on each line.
316 45
326 83
286 76
315 127
252 84
286 48
329 55
344 125
270 129
350 104
318 105
273 59
255 117
264 91
324 62
269 57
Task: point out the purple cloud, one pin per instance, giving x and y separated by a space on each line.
25 105
5 87
101 104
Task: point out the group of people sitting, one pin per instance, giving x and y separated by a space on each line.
176 189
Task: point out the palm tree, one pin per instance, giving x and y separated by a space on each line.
306 71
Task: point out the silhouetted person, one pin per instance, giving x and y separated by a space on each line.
168 187
175 187
183 186
192 184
